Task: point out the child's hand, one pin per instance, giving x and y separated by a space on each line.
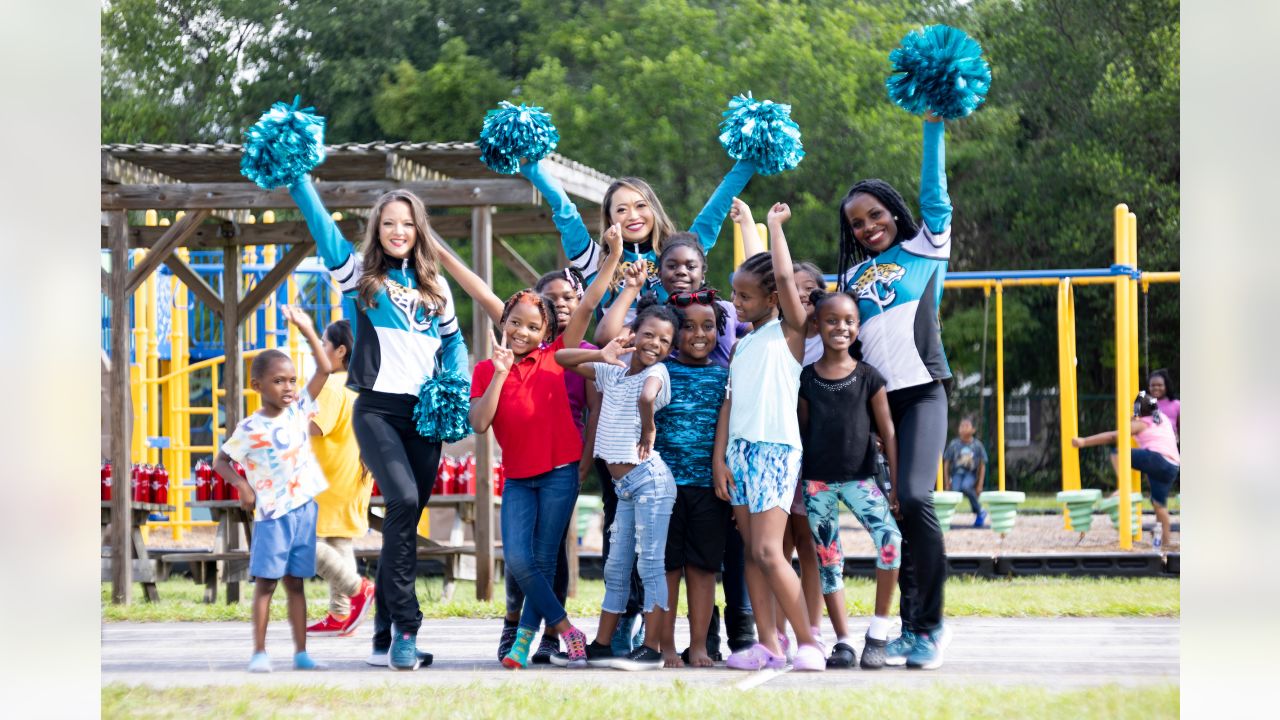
502 358
298 317
1077 442
893 503
645 446
613 239
617 347
635 274
722 478
930 117
779 213
740 212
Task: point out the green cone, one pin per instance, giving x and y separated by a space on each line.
1002 507
944 506
1080 504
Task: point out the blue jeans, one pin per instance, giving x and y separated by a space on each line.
646 496
963 481
535 512
1160 473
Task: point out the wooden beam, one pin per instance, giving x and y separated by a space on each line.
195 283
232 369
174 237
353 194
577 183
516 264
482 330
275 277
120 415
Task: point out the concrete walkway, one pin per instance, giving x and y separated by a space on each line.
1055 652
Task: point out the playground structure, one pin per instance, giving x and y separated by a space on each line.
148 415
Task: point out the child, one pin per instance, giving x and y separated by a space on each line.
964 467
1160 387
700 521
840 398
521 394
896 269
633 392
757 455
342 510
798 539
1155 455
283 479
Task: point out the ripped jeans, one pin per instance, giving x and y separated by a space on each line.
646 496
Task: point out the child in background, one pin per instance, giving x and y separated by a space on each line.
841 398
343 509
1160 387
283 479
757 455
700 521
1155 454
964 467
633 392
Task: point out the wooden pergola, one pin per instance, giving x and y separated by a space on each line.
204 181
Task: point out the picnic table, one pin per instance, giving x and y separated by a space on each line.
138 513
454 554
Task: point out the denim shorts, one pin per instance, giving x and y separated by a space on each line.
285 545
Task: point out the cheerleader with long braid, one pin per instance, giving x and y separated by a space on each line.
896 269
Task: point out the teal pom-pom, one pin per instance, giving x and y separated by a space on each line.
444 403
283 146
512 132
939 68
762 132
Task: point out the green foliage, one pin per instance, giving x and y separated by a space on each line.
447 100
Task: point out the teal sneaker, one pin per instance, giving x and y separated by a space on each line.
925 654
621 640
404 652
895 653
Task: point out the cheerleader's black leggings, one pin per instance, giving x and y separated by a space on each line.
404 463
920 424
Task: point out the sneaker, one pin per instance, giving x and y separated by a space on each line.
925 654
576 645
404 652
328 627
842 656
785 643
621 640
518 657
638 639
642 658
382 658
304 661
361 604
260 663
942 636
982 517
756 657
546 648
598 656
873 653
896 650
809 658
508 639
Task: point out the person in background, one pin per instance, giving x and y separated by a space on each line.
964 467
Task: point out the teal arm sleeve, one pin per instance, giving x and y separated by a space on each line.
707 225
574 237
334 249
935 204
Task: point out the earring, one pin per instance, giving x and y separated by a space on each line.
895 217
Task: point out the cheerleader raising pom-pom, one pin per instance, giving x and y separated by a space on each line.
762 132
283 146
443 404
512 132
939 69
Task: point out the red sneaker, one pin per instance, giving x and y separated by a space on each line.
361 604
329 626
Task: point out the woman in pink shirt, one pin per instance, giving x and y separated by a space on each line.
1156 454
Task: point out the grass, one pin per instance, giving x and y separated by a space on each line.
1036 596
679 700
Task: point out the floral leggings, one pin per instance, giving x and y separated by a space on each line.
822 500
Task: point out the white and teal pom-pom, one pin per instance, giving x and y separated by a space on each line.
939 68
444 402
283 146
762 132
512 132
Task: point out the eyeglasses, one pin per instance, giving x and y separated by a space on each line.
705 296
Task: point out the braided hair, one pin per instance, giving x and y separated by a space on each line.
761 265
529 296
650 307
722 317
852 252
571 275
820 297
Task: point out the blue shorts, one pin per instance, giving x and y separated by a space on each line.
764 474
285 545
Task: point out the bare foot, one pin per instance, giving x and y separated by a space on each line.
672 660
700 658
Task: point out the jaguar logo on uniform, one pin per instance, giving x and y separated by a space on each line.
883 276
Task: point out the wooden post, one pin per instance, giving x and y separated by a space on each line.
232 369
120 412
481 327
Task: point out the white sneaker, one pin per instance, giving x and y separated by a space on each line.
379 659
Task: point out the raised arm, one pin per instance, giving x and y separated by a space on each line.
302 321
707 225
471 283
334 249
935 204
751 243
582 360
793 313
615 319
583 253
581 317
